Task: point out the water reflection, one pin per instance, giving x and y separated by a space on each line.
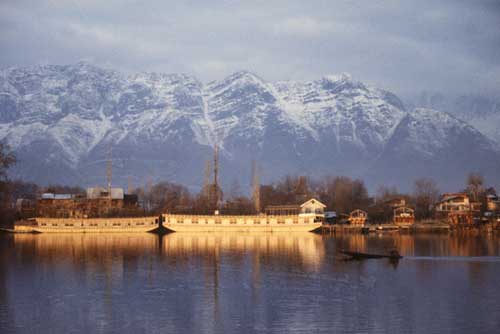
214 283
305 250
443 245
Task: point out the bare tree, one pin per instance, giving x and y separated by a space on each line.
343 194
426 194
168 197
475 187
234 189
384 193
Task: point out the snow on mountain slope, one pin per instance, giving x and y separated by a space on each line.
339 105
241 101
482 112
164 125
434 143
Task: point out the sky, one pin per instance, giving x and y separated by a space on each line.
406 47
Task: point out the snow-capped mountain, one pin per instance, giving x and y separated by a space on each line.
482 112
437 144
62 122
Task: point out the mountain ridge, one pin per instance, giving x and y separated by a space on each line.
65 117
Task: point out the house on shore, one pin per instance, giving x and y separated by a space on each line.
402 213
457 209
358 217
404 216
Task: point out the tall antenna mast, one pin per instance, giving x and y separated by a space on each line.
109 169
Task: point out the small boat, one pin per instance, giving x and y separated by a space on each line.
393 255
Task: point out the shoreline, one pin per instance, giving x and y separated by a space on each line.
414 228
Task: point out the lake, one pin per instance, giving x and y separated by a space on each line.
248 283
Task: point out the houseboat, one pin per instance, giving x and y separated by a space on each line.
99 210
305 217
86 225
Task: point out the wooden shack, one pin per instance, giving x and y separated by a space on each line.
404 215
358 217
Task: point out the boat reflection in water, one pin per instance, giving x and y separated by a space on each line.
74 245
306 249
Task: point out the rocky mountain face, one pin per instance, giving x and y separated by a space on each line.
63 121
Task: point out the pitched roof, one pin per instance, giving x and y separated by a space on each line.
312 201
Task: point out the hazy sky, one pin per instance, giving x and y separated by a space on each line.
403 46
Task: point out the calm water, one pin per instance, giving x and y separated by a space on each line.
263 283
